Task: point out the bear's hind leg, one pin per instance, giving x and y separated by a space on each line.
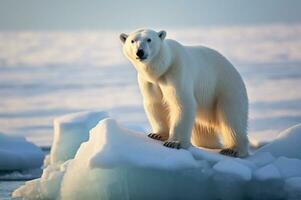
235 145
233 127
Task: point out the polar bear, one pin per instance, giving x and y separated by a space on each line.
191 94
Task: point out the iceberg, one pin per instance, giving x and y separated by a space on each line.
70 131
17 154
117 163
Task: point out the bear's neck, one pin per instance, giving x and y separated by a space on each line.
160 64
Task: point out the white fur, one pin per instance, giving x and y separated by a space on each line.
191 94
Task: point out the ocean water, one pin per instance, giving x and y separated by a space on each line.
48 74
6 188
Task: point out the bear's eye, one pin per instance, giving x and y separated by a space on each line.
148 40
132 41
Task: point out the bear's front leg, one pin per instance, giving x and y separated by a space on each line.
155 109
182 116
157 116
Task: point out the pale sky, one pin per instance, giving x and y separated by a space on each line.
128 14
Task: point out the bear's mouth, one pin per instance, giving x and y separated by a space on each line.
141 58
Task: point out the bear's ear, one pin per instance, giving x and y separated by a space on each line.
162 34
123 37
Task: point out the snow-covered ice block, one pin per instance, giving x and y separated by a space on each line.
123 147
46 187
286 144
261 158
234 168
18 154
288 167
120 164
211 155
70 131
116 163
268 172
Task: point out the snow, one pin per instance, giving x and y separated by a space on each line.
118 163
114 153
261 158
18 154
285 144
267 172
233 168
70 131
46 187
288 167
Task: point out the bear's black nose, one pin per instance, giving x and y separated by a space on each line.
140 53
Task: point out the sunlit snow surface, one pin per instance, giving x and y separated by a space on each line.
117 163
47 74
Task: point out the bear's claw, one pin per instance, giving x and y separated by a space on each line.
229 152
155 136
174 145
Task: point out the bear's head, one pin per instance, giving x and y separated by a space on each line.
142 45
